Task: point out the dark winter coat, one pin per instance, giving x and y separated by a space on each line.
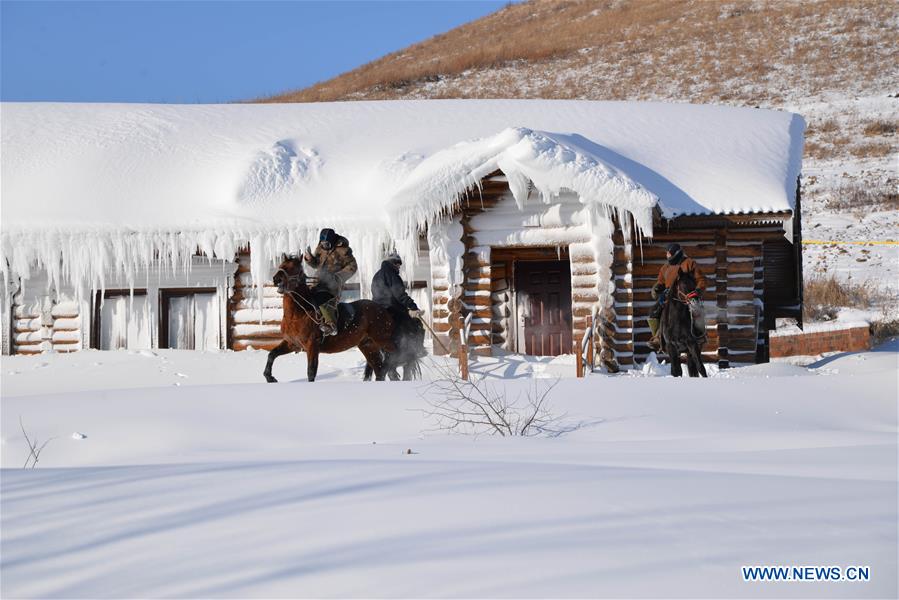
333 267
387 289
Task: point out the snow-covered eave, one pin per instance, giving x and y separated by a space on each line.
760 215
549 163
85 257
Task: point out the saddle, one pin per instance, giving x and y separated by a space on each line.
346 315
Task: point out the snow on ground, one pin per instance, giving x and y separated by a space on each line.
225 486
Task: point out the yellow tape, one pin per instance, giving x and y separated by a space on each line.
869 243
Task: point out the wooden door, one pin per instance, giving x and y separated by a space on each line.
190 320
543 290
122 321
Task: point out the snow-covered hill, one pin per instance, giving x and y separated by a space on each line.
831 61
177 474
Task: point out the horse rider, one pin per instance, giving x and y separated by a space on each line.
678 262
334 263
388 290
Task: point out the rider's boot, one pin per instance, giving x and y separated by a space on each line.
655 343
329 319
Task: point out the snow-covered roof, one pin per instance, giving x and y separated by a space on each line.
83 178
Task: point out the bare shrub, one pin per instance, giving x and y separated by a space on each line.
828 126
879 127
883 330
817 150
824 296
865 195
475 407
34 448
871 150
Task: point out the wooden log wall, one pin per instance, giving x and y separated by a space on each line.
45 325
246 329
730 258
445 306
28 332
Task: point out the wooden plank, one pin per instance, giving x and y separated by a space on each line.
658 253
760 234
513 253
584 297
239 345
477 300
262 335
681 236
741 266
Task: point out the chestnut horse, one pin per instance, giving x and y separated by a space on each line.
362 324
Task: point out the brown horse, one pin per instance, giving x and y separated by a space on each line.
362 324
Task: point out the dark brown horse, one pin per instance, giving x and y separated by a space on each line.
678 325
362 324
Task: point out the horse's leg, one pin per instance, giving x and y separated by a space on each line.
408 371
389 364
312 353
693 360
373 356
691 364
696 355
674 356
282 348
368 371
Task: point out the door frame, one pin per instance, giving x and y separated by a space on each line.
511 256
98 299
165 294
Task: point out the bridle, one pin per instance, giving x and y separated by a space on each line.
680 296
298 297
684 299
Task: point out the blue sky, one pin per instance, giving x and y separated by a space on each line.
208 51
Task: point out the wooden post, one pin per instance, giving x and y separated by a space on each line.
463 347
579 359
590 342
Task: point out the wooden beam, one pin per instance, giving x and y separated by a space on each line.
721 268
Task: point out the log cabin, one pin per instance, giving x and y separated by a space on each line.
537 221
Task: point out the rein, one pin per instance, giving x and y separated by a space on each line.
297 297
684 299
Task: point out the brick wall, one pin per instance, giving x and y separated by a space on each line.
851 339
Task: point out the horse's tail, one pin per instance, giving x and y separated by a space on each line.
413 368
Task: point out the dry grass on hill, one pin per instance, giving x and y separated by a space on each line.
740 52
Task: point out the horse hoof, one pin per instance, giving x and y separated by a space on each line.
270 379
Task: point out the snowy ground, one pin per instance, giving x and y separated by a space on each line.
197 480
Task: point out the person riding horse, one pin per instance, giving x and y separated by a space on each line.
334 263
677 262
388 290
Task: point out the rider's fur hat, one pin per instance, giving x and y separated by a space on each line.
394 258
676 253
328 235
